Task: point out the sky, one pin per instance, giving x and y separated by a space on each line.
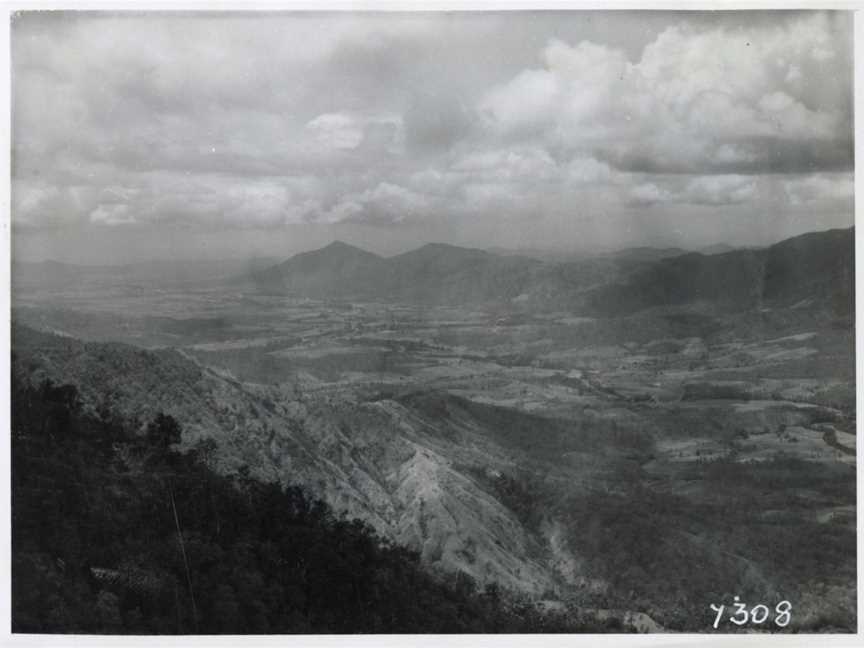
148 136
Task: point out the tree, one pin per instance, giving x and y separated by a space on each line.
107 610
60 403
163 432
226 610
205 451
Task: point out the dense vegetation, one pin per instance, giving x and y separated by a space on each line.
747 534
818 265
114 531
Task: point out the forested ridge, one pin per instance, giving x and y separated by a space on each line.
115 531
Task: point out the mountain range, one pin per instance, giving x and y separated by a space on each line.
814 266
434 273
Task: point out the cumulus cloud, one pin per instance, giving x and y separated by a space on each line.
587 170
112 214
476 123
38 202
720 190
647 193
820 187
711 190
336 130
698 100
527 164
386 204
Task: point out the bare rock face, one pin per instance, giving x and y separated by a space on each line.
369 462
460 527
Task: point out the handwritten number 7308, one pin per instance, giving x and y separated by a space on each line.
758 614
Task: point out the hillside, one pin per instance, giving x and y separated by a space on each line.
115 531
337 270
442 274
812 269
379 461
647 254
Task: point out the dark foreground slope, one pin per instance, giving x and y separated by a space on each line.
113 531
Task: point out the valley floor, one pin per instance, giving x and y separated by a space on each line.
645 466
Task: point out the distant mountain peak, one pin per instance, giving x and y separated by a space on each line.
444 250
339 249
448 246
439 246
339 244
337 268
717 248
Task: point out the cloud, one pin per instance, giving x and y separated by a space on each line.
713 190
820 188
524 106
588 170
699 100
38 203
505 123
435 122
112 214
336 130
646 194
386 204
528 164
720 190
376 134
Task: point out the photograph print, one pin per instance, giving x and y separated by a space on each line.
350 322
